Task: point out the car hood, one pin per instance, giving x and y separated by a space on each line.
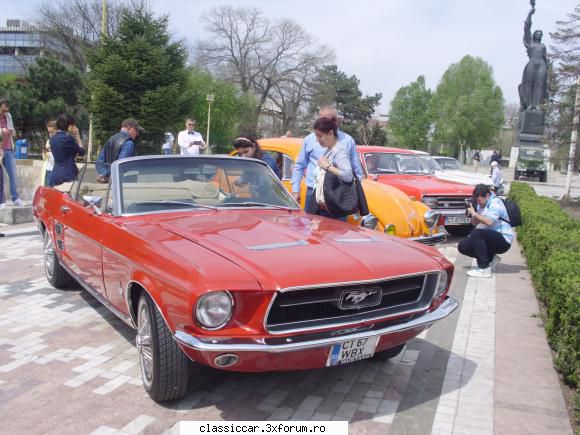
420 185
288 249
398 208
463 177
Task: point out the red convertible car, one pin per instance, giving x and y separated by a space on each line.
212 261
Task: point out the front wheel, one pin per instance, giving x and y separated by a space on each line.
459 230
55 273
164 366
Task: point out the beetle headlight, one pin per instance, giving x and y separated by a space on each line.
214 309
370 221
441 284
391 229
430 202
431 218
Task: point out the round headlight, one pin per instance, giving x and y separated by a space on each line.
370 221
391 229
214 309
430 202
431 218
441 283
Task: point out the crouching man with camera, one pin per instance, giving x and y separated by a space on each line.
493 234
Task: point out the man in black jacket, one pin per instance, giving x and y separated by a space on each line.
118 146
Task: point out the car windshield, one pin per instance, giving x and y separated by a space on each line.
531 154
205 183
430 163
447 163
382 163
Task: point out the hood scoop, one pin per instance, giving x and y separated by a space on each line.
358 240
269 247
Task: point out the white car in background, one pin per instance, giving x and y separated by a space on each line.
448 168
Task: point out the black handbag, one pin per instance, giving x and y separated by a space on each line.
342 199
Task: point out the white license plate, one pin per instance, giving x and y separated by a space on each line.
351 351
457 220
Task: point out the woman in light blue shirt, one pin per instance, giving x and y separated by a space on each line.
493 234
334 160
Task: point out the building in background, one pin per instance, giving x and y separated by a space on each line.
21 43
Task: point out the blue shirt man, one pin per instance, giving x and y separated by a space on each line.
312 151
492 235
119 146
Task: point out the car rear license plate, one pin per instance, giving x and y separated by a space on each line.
351 351
457 220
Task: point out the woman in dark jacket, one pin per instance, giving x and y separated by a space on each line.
247 146
64 149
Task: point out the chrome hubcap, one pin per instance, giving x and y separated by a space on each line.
48 256
144 343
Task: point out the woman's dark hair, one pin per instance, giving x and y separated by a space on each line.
326 125
71 120
62 122
481 190
249 141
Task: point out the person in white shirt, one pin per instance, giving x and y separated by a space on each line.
190 141
167 147
495 176
47 154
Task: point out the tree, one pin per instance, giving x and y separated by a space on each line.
334 87
565 51
564 56
468 107
231 110
265 58
77 24
48 89
139 73
410 116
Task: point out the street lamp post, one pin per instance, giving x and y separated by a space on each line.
210 99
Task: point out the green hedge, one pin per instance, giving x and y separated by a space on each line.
550 239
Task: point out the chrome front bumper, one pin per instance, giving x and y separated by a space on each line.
221 344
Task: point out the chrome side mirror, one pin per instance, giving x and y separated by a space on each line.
93 202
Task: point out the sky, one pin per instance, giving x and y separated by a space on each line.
387 44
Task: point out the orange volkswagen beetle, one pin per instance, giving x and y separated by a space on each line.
391 210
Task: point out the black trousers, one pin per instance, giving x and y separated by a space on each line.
483 244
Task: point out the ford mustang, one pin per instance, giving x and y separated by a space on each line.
240 281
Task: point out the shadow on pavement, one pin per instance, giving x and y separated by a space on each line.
410 380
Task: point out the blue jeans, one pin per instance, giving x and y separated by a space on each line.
9 163
167 151
2 198
47 178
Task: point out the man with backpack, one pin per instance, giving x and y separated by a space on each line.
493 233
119 146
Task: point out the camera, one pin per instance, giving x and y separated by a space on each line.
470 202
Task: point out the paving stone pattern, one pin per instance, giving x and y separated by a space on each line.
69 366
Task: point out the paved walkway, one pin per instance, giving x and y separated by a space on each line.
486 369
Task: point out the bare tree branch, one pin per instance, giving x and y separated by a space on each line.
273 60
77 23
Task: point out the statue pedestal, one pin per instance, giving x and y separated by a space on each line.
531 125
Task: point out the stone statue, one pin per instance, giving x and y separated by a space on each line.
533 88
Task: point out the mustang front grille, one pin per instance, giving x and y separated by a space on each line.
307 309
